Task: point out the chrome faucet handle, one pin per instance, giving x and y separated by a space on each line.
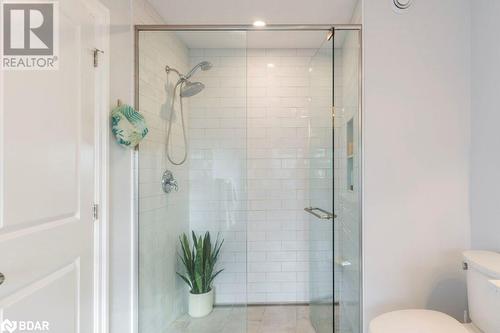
174 185
168 182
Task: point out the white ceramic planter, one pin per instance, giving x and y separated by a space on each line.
201 305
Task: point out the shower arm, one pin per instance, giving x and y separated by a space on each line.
169 69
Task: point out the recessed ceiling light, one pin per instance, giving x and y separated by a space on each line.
259 24
270 65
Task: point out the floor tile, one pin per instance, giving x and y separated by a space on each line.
251 319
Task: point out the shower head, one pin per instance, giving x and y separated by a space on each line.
204 66
190 89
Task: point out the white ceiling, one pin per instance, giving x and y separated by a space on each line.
247 11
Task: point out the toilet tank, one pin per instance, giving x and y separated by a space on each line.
483 289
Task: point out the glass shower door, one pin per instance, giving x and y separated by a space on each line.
321 189
334 185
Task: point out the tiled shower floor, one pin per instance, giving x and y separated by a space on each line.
252 319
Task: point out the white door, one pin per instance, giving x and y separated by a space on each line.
47 168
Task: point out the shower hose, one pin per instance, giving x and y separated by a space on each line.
169 132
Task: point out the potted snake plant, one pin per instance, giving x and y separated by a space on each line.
199 264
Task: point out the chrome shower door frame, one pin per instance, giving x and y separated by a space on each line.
329 29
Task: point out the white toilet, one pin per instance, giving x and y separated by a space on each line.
483 289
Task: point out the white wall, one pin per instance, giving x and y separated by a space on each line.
416 148
122 259
144 13
485 158
121 167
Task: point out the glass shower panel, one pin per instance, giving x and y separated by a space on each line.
321 240
211 194
218 169
335 200
347 193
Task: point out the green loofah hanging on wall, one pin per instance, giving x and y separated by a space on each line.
128 126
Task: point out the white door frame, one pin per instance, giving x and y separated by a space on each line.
101 195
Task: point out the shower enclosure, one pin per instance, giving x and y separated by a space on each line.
255 137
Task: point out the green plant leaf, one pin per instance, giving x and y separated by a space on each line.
185 280
207 248
199 261
195 240
215 275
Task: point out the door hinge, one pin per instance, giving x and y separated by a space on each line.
95 211
96 56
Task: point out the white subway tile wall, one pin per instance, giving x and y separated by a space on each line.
218 166
162 217
250 133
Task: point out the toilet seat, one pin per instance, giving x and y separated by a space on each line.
472 329
416 321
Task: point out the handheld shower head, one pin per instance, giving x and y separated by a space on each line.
204 66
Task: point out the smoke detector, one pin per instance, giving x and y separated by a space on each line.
401 5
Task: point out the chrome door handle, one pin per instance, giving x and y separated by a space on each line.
324 214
